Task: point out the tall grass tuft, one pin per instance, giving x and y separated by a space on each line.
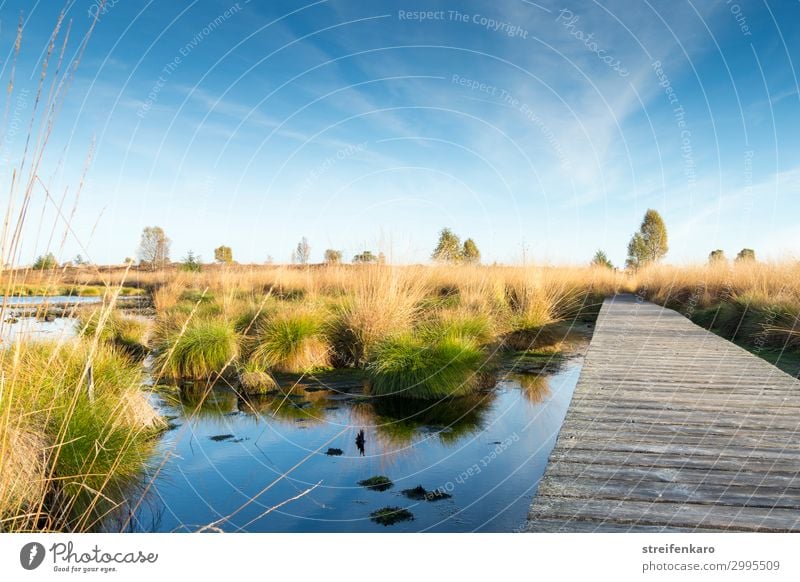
292 341
199 350
80 434
128 333
379 301
411 366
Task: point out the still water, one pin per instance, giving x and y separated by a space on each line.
238 463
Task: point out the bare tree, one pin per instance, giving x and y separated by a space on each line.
154 247
302 252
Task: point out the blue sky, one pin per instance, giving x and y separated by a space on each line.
539 129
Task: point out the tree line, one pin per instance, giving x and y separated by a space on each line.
648 245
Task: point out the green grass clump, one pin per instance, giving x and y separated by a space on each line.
97 440
125 332
292 342
196 296
253 379
206 347
411 366
458 326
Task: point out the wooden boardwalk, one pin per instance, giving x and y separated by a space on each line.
672 428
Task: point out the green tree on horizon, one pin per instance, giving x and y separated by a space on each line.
45 262
470 253
365 257
223 254
600 259
650 243
716 256
191 263
448 249
333 257
746 255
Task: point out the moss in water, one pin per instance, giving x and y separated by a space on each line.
387 516
377 483
419 493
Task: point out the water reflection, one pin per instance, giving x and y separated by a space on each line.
400 422
274 446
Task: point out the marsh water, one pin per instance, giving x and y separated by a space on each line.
236 462
292 461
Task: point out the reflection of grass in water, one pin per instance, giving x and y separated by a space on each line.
534 387
198 401
399 421
289 405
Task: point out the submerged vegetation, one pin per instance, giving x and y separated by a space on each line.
390 515
377 483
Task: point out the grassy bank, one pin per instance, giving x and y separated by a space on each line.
75 432
428 332
756 305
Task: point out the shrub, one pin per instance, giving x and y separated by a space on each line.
45 262
410 366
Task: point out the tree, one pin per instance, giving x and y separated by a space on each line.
223 254
79 261
448 249
649 245
302 253
365 257
45 262
716 256
600 259
333 257
154 247
746 255
128 261
191 263
470 252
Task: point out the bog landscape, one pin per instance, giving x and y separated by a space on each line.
339 390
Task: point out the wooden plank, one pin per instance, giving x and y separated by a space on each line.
668 514
647 490
577 471
672 428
